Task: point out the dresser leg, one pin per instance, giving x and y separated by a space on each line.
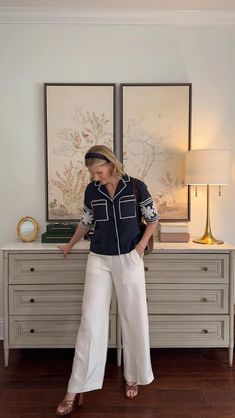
119 357
6 356
230 356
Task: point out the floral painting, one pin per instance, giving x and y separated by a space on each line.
156 121
78 116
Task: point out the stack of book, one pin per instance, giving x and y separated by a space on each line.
173 232
58 232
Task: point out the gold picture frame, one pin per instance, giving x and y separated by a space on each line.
27 229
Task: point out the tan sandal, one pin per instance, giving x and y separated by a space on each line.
131 388
69 405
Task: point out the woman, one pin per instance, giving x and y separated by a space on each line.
115 258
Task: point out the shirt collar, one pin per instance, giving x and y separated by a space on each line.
125 178
120 187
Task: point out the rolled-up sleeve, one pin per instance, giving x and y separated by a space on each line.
87 220
146 203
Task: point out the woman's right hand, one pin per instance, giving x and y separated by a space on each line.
65 249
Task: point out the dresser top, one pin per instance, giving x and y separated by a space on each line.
84 245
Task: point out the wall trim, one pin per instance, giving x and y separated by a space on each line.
71 15
1 329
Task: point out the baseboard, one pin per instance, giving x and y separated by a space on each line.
1 329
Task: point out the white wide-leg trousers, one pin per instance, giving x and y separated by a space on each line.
126 272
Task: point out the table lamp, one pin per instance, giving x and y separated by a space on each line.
208 167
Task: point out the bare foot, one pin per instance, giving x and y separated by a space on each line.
131 390
66 406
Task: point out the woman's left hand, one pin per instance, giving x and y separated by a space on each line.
140 250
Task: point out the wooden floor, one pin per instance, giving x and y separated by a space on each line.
189 383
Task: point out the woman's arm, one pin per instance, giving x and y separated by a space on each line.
142 244
79 233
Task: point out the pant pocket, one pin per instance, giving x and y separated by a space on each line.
131 269
136 257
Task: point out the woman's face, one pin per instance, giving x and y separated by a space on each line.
101 173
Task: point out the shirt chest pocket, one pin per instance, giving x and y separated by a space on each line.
100 210
127 207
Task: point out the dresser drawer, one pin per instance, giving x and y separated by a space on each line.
51 331
187 298
187 268
189 331
48 299
47 268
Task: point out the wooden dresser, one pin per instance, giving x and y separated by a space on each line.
190 296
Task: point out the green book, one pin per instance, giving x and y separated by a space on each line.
61 229
49 238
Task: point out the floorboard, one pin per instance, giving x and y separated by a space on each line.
189 383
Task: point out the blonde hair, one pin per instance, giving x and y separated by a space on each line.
109 154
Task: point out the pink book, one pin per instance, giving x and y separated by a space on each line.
174 236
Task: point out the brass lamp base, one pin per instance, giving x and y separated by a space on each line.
208 240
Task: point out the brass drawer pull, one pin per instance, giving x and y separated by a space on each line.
146 269
205 268
32 269
205 331
32 331
32 300
204 300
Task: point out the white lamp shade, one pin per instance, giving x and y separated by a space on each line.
208 166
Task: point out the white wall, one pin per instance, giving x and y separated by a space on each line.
34 54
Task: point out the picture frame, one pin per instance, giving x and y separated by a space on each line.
155 134
77 116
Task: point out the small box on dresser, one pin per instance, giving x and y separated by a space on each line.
173 232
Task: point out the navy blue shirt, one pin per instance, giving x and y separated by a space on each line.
115 222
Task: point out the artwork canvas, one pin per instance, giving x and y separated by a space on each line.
155 130
77 117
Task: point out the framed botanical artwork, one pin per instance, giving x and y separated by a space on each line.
77 116
155 131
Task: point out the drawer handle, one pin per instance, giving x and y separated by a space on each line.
32 300
204 300
32 331
147 299
32 269
205 268
205 331
146 269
